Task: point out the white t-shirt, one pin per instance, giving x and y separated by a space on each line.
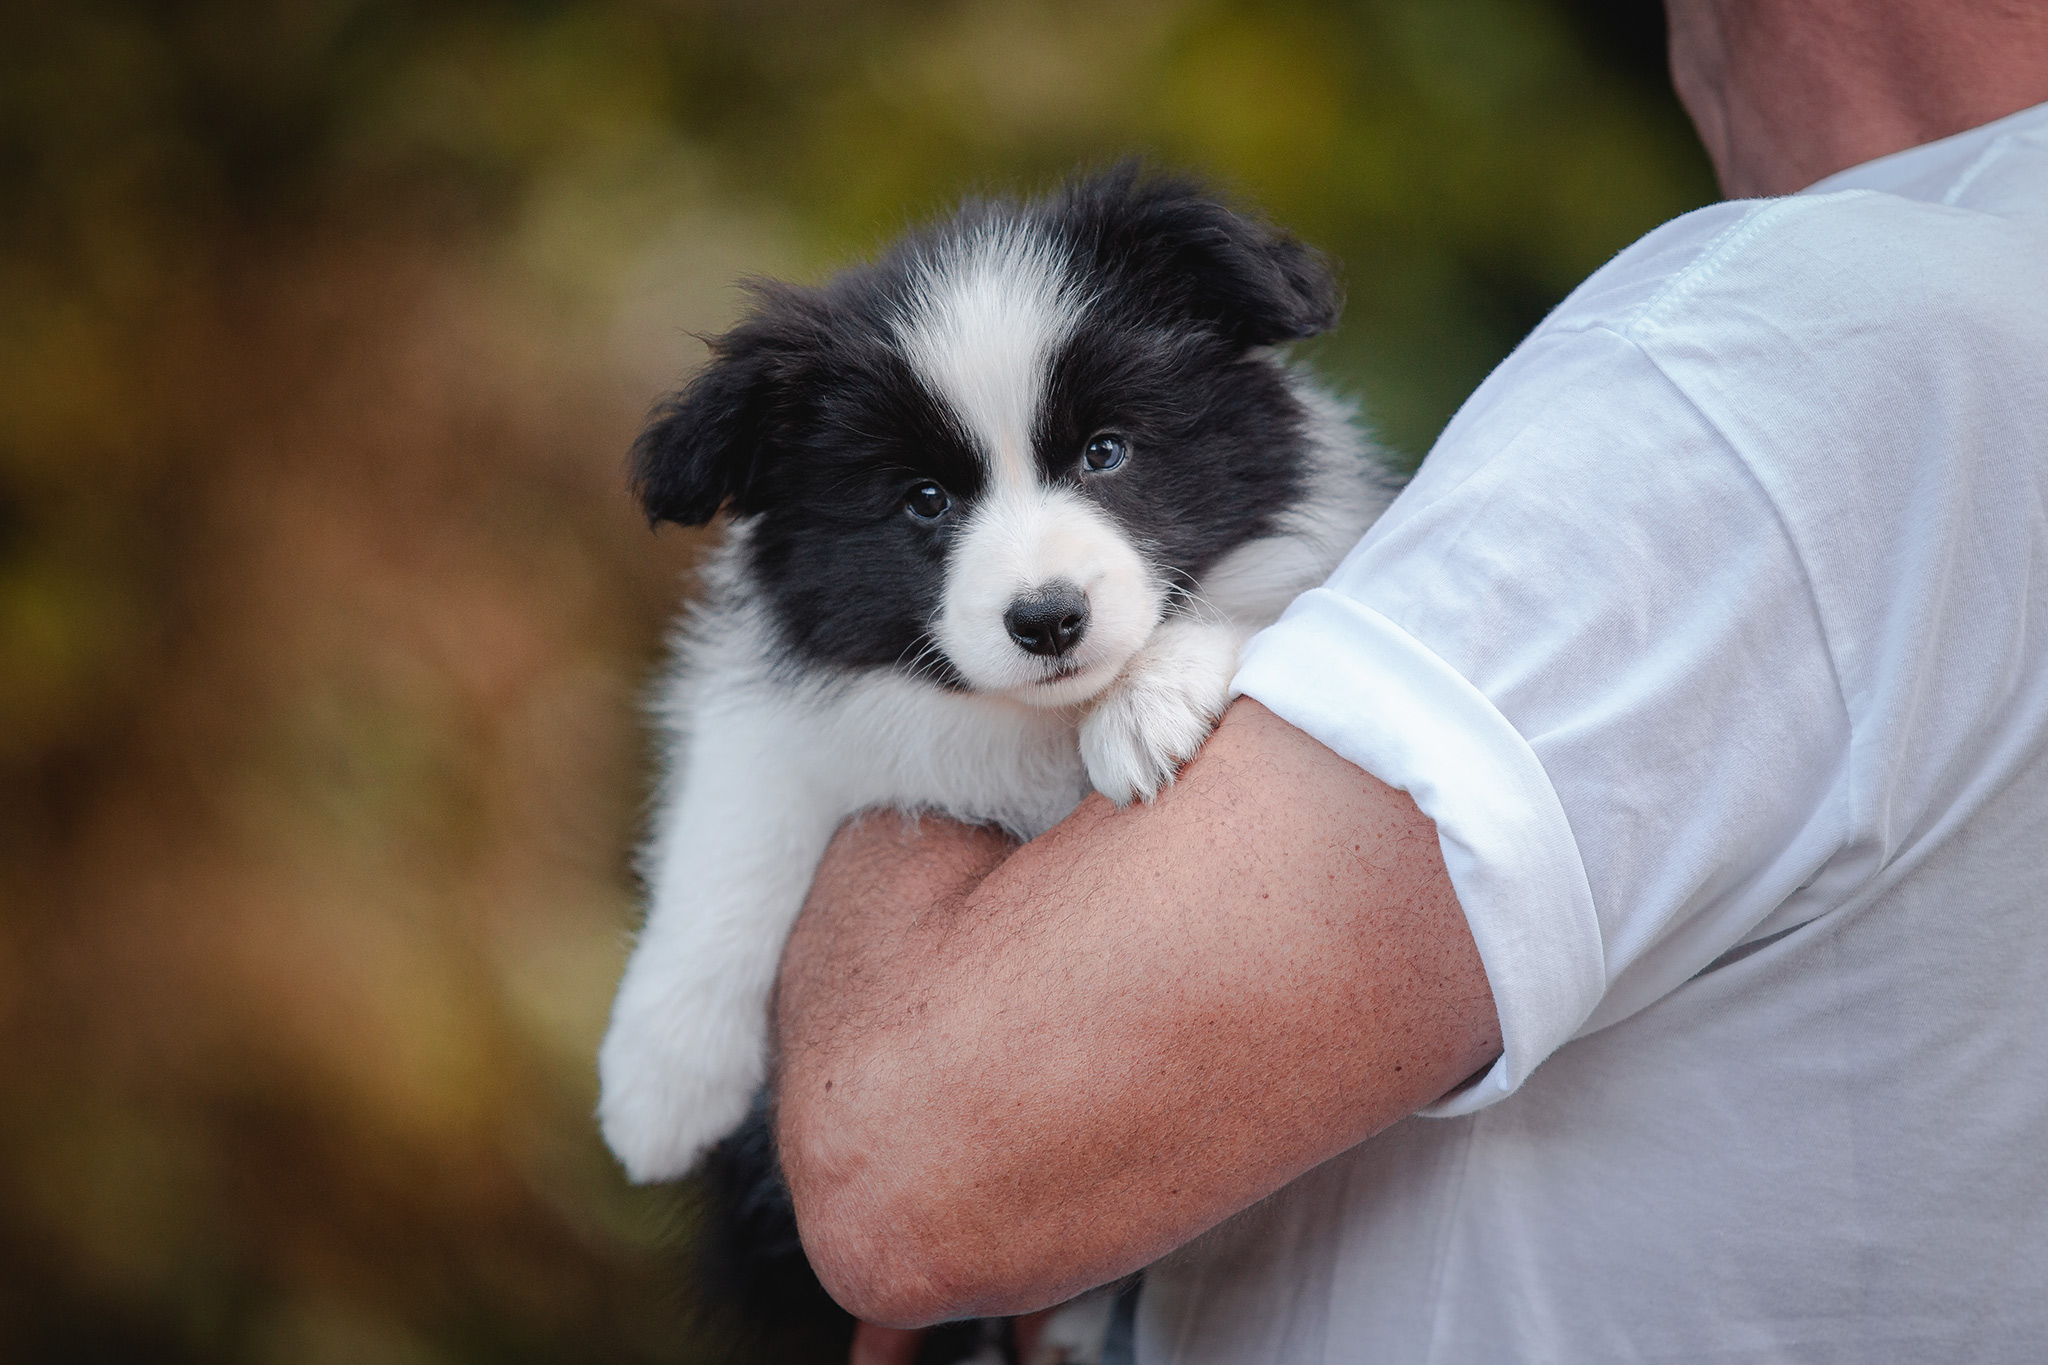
1714 636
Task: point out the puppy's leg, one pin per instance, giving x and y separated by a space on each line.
1158 713
734 854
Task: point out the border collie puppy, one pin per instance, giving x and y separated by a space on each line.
1004 506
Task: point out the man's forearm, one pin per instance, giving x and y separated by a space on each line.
873 935
1005 1081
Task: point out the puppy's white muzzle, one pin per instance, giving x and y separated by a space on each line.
1046 598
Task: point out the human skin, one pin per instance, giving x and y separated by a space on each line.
1788 92
1006 1077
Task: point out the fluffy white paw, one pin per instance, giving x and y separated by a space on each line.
1155 716
670 1085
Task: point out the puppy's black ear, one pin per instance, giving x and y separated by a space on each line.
704 446
1254 283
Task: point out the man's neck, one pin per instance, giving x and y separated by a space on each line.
1788 92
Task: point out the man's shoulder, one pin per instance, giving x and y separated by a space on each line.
1855 264
1812 341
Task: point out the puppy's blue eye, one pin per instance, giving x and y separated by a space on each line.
1105 452
927 502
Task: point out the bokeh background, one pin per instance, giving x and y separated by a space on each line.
324 326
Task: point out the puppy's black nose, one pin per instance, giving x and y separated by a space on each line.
1050 621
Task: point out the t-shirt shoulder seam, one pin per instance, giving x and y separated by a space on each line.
1983 162
1709 263
1739 238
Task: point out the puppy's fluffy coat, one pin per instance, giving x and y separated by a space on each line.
1004 506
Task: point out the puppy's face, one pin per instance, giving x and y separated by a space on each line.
999 457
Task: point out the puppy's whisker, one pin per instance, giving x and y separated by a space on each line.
1184 594
928 663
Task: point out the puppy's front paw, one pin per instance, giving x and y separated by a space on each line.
1160 711
670 1085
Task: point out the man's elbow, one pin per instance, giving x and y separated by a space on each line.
880 1271
893 1237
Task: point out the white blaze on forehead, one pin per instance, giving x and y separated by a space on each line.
990 314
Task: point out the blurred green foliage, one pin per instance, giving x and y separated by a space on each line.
323 328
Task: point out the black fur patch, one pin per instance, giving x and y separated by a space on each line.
1162 246
810 421
751 1257
1214 438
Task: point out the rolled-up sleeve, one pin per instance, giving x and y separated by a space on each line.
1585 645
1505 839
